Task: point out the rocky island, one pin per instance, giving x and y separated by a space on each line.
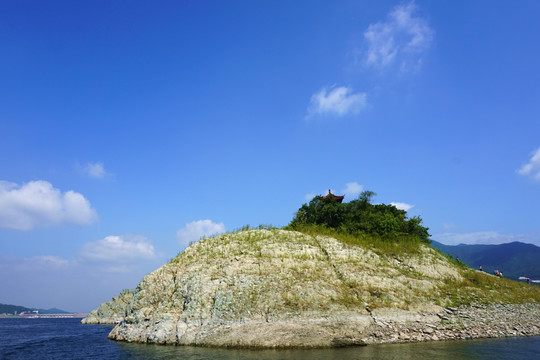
277 288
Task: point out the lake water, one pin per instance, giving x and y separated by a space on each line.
68 339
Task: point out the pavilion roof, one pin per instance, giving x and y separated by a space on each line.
336 197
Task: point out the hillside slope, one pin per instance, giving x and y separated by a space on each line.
514 259
11 309
277 288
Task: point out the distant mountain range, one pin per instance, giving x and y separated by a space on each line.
514 259
10 309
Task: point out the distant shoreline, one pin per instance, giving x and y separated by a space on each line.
44 316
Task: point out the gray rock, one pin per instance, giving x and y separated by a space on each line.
111 312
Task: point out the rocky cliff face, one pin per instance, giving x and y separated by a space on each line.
277 288
111 312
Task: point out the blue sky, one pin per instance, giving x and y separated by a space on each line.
129 129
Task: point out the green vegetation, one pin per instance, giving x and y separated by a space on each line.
479 287
359 217
407 244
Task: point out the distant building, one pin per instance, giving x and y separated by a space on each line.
336 197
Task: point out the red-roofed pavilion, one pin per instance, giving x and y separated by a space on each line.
336 197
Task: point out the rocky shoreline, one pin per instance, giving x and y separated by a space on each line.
380 326
472 322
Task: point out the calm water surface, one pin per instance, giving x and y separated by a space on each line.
68 339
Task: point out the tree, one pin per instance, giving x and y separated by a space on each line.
360 216
321 211
365 196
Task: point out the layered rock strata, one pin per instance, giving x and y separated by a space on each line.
466 322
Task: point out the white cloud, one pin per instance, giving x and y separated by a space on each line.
402 36
195 230
532 168
309 196
448 226
96 170
46 262
402 205
338 101
38 203
483 237
35 264
352 190
121 249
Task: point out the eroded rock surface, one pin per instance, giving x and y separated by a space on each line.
277 288
111 312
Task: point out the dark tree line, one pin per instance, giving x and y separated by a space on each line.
360 216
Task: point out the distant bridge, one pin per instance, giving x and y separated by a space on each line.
51 316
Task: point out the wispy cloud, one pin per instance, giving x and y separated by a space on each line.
483 237
118 248
352 190
532 168
95 170
448 226
46 263
195 230
402 205
401 38
38 203
337 101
